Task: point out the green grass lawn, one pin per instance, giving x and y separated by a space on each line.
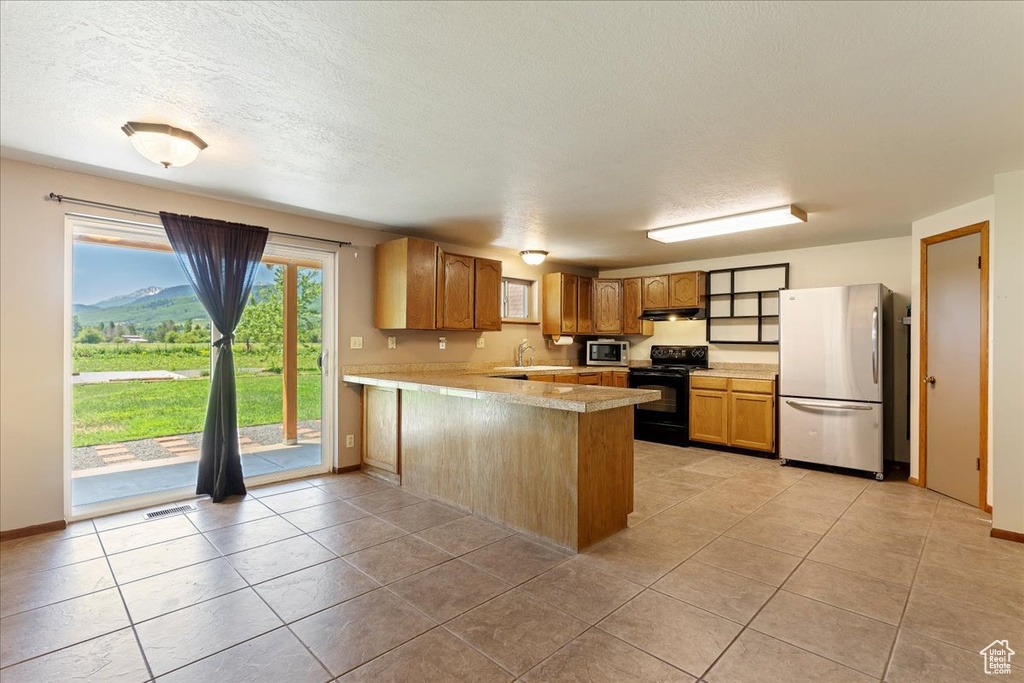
124 411
109 357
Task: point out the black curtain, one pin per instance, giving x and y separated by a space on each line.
220 260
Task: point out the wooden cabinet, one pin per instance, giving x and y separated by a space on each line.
381 419
543 378
421 287
620 379
567 379
686 290
560 295
454 291
585 306
607 306
733 412
589 378
405 290
487 294
632 308
655 292
709 416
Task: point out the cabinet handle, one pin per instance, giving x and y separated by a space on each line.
828 406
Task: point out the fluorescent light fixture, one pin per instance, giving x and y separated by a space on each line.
163 144
755 220
533 257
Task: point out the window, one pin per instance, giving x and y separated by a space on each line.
515 299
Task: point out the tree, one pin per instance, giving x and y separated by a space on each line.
76 326
263 319
89 335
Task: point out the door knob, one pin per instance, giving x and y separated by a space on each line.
930 379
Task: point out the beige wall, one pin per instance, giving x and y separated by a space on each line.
1007 404
32 297
882 261
958 217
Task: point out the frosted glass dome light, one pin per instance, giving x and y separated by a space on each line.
163 144
533 257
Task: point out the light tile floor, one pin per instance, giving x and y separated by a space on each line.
733 570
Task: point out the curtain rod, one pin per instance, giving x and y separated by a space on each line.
64 199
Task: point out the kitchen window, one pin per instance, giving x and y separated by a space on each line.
516 296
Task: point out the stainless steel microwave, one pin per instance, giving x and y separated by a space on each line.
608 352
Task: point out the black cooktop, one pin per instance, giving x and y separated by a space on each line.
679 359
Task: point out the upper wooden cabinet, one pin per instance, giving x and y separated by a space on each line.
487 294
421 287
686 290
585 306
655 292
677 290
560 304
607 306
405 290
632 308
455 275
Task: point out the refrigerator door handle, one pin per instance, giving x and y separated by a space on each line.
874 344
829 406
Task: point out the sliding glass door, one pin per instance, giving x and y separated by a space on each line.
140 359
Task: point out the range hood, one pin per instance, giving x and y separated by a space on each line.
661 314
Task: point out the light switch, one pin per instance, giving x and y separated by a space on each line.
392 342
479 342
355 342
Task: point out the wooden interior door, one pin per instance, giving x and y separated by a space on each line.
607 306
632 306
684 290
585 306
455 291
487 294
570 301
655 294
954 383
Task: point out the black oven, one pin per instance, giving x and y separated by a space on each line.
664 420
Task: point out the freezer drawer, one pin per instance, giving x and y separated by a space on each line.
840 433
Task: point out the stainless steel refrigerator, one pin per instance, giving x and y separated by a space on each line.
835 376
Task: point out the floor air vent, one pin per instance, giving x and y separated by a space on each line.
169 511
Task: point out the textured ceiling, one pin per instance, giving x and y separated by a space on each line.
572 127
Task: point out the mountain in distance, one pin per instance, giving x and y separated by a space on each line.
146 307
124 299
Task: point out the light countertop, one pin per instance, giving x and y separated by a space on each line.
736 374
569 397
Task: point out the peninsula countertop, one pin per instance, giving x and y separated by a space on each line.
568 397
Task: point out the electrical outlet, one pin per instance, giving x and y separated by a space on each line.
442 342
392 342
355 342
479 342
350 440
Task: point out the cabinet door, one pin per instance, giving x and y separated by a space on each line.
655 292
585 306
709 416
685 290
589 378
454 291
620 379
608 306
752 421
567 379
632 306
607 378
487 294
380 428
543 378
570 301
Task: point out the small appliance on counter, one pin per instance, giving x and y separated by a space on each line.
667 419
835 376
608 352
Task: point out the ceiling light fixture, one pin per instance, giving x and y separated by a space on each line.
755 220
163 144
533 257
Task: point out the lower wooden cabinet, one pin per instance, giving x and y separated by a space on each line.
567 379
615 378
591 378
381 418
543 378
733 412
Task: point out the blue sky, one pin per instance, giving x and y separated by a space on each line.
101 272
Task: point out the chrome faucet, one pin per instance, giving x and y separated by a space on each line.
523 348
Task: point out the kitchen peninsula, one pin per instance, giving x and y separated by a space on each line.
550 459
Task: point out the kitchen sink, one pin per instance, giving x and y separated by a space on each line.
529 368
